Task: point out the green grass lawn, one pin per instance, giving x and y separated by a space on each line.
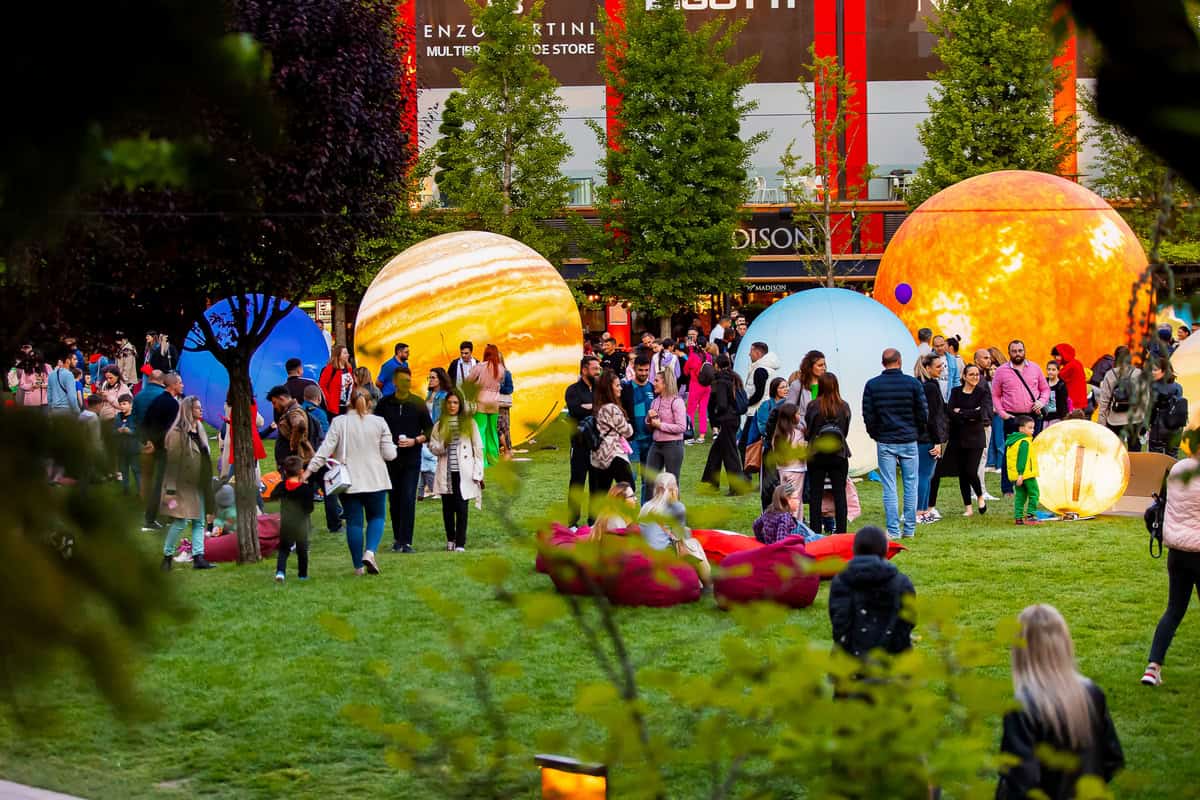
247 695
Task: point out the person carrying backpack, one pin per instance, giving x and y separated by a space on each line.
1120 404
866 600
723 410
1181 536
1168 408
827 420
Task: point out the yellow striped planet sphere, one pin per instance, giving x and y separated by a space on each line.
487 289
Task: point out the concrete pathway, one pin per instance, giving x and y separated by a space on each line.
15 791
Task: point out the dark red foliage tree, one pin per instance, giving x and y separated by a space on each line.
264 220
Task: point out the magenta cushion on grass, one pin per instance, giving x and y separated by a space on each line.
776 573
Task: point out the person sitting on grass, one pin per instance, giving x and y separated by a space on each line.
782 517
621 501
866 600
663 524
1023 470
294 511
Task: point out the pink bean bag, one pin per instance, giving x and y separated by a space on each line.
558 536
641 581
719 544
225 548
625 574
777 572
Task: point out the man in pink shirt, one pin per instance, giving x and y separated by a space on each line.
1018 388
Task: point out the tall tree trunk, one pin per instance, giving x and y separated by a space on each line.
664 328
244 462
827 218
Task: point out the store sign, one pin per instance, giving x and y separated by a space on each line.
778 32
767 234
768 287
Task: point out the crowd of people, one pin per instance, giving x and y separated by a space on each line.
947 417
369 446
397 447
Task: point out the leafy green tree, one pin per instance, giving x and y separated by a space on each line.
454 168
677 165
506 163
830 90
992 108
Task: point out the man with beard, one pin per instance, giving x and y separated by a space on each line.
1019 388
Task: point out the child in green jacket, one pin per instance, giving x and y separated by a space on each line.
1021 465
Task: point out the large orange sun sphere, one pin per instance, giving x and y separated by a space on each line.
487 289
1017 255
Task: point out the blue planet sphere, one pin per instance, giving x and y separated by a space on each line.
295 336
852 330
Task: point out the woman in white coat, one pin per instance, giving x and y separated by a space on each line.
459 477
363 443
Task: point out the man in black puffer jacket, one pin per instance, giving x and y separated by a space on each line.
866 600
895 410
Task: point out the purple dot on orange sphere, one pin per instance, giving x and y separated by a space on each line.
903 293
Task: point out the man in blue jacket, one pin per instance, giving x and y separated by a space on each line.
894 409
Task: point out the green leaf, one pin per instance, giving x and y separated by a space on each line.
537 610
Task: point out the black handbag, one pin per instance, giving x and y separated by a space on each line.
1154 517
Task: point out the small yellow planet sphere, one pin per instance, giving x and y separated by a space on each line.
1083 467
487 289
1017 255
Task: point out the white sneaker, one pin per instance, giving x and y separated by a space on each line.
988 496
279 577
460 549
934 515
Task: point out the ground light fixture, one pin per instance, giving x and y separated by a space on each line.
568 779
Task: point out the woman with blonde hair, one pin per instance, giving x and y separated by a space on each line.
187 482
362 442
1059 708
622 500
667 418
663 524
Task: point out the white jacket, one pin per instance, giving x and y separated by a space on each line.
769 362
1181 522
364 444
470 461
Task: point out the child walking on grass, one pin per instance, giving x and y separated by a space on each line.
295 509
1019 452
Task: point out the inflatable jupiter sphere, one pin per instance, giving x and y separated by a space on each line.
487 289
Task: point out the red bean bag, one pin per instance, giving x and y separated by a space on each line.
225 548
719 544
558 536
841 545
777 572
641 581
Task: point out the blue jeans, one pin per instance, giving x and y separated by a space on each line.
995 456
905 455
639 456
175 533
374 504
926 464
